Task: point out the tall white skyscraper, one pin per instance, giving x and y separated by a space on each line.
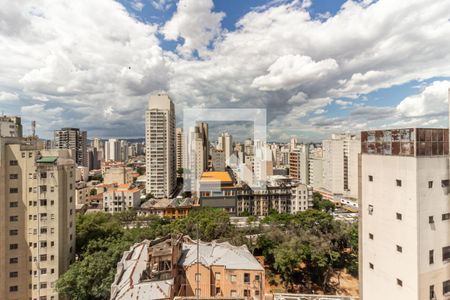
405 214
112 150
340 164
225 143
160 146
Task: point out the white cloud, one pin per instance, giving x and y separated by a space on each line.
137 5
161 5
279 58
290 71
433 100
194 22
5 96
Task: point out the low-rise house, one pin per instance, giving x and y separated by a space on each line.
176 208
121 197
180 266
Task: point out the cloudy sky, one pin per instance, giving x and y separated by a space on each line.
317 66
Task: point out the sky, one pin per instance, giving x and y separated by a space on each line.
316 66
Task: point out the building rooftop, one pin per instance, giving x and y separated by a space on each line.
47 159
223 177
219 254
406 142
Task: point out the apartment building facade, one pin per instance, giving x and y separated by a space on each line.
75 140
120 198
37 227
340 164
10 126
160 151
405 214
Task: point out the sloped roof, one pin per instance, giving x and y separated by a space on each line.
220 254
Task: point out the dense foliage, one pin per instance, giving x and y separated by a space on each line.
304 248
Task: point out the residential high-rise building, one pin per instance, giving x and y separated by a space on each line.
123 150
198 153
225 143
299 163
217 160
315 164
340 164
112 150
180 147
405 214
10 126
37 228
160 146
75 140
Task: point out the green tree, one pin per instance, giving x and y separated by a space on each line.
140 170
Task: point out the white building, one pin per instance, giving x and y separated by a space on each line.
112 150
160 146
198 154
301 198
120 198
405 215
340 164
225 143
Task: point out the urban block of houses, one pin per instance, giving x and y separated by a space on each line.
179 266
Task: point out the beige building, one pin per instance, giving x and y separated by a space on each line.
198 154
340 164
37 229
180 145
10 126
405 214
299 163
121 197
160 152
301 198
118 175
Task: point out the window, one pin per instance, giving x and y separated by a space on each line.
246 293
43 285
370 178
13 176
13 218
371 236
398 182
446 217
43 202
444 183
13 288
13 274
370 209
399 216
13 246
198 276
43 257
431 219
198 292
399 249
431 257
432 293
13 204
246 277
43 244
13 260
13 232
13 190
371 265
446 253
233 294
43 271
257 278
233 278
217 275
430 184
446 287
399 282
13 163
217 290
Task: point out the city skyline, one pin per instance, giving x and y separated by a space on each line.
227 54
